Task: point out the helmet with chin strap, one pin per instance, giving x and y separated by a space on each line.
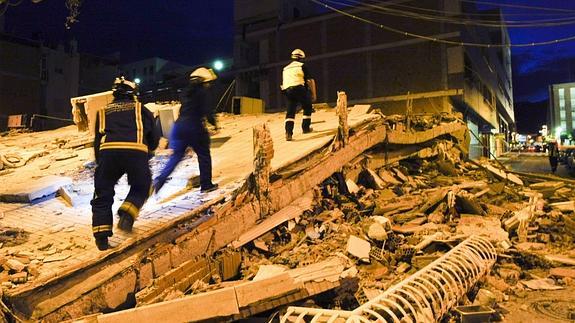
124 87
202 75
297 54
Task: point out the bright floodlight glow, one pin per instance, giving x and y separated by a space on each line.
218 65
137 80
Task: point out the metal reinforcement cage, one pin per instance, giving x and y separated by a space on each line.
425 296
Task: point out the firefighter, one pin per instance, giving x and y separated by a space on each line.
190 130
125 139
553 155
299 88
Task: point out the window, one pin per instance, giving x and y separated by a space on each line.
572 94
562 114
44 68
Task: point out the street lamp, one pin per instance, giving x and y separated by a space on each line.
218 65
137 80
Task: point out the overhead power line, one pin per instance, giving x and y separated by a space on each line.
386 10
481 14
499 4
444 41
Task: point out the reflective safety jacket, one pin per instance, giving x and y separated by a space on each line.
124 124
294 74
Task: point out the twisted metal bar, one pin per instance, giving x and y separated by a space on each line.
425 296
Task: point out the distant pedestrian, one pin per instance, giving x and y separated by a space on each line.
125 139
553 155
189 130
299 88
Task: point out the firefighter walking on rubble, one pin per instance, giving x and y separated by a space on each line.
190 130
124 141
299 88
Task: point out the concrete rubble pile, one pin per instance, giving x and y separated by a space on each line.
373 227
474 239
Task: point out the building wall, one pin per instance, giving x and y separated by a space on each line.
35 79
62 81
97 74
343 54
20 87
372 64
562 107
146 70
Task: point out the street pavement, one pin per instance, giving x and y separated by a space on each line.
533 163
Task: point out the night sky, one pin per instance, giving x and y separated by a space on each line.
193 32
188 32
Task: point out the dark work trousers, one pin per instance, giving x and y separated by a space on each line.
553 160
298 95
112 164
181 138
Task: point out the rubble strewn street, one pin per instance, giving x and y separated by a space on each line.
379 223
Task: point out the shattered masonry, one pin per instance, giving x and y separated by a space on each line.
376 228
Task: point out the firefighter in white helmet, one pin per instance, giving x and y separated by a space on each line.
299 88
190 130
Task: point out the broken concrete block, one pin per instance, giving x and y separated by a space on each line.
352 186
15 265
19 278
541 284
484 226
66 195
358 247
267 271
386 176
562 272
468 203
446 167
568 206
403 267
28 191
377 232
485 297
385 222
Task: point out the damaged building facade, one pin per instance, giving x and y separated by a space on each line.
36 79
388 70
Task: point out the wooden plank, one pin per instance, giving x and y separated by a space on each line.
211 305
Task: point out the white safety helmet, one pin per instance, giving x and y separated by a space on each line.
203 75
297 54
121 85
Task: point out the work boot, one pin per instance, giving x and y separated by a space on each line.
308 130
289 137
211 188
126 222
102 243
158 186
